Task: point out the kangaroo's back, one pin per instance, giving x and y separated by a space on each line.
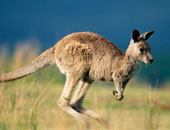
96 42
86 52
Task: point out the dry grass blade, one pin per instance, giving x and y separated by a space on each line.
38 99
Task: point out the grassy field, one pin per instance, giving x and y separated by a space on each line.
34 106
31 103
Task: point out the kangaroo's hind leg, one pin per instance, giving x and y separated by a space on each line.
64 100
78 98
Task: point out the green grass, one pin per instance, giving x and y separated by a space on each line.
33 105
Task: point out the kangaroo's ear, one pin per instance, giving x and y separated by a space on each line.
135 35
147 35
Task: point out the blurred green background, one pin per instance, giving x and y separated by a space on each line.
42 23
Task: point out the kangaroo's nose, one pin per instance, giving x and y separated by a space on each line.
151 60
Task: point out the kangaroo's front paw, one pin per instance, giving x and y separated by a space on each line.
115 93
119 97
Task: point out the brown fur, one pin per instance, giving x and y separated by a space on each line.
42 61
86 57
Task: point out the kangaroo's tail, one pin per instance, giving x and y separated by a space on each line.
45 59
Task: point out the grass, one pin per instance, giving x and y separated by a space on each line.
31 103
34 106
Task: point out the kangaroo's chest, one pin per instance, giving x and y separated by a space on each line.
126 72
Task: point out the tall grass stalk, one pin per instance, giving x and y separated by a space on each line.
19 105
151 112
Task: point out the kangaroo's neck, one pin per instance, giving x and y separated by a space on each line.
126 66
130 51
130 63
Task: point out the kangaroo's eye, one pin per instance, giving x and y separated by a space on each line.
142 50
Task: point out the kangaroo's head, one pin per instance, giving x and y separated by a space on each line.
139 49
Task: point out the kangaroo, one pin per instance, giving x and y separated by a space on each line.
85 57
